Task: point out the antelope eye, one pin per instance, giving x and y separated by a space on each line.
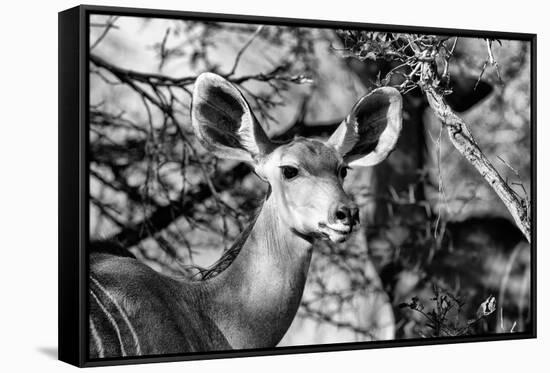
289 172
343 172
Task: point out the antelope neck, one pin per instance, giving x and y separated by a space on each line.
255 299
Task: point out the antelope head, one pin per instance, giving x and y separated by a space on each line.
305 175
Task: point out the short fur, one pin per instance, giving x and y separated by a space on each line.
252 300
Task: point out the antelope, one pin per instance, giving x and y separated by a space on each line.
135 310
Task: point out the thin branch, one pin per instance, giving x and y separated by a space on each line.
464 142
243 49
108 26
163 216
149 78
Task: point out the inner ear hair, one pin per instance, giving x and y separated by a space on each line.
223 121
372 128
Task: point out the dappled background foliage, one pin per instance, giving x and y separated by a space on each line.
435 236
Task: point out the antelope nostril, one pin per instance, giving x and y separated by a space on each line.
341 214
346 214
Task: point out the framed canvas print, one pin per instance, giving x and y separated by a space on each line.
236 186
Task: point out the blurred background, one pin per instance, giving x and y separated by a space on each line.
437 253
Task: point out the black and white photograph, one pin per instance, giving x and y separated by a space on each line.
275 186
267 185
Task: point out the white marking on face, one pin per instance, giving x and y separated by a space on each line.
306 178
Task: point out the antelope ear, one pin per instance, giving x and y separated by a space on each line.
369 133
223 122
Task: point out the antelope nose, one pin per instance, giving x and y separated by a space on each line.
346 214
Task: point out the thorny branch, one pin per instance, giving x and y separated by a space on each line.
417 58
462 139
444 304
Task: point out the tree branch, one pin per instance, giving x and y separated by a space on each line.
163 216
243 49
127 75
463 141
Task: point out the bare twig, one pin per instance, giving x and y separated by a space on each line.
490 60
243 49
108 26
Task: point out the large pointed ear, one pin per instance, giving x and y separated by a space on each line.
223 122
369 133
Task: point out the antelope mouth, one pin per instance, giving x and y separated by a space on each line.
334 233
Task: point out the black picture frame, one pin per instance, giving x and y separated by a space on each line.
73 45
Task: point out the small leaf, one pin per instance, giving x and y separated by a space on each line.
487 307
